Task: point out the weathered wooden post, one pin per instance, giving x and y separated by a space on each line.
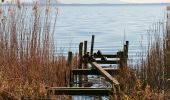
80 62
121 59
126 46
70 56
71 81
92 44
85 47
85 63
121 68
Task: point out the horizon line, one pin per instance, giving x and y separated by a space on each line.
98 3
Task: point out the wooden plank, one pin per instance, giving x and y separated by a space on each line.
106 55
80 91
107 62
93 71
104 73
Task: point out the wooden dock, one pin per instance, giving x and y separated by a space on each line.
79 74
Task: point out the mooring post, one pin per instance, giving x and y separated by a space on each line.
122 69
85 63
85 47
92 44
126 46
80 61
121 59
70 56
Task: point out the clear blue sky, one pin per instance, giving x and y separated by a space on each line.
107 1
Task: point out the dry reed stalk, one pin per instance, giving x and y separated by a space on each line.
151 74
27 60
153 70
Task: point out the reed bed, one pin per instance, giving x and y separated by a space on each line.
151 73
28 60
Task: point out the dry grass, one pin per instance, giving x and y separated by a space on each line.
27 53
149 80
150 77
28 62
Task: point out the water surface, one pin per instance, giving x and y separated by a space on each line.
111 24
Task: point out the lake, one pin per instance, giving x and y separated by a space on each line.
111 24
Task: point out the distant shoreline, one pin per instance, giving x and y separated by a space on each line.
101 4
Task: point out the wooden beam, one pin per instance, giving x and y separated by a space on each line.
106 55
107 62
80 91
93 71
104 73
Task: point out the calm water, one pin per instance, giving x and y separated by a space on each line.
111 25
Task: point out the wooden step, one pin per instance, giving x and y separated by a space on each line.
93 71
108 62
106 55
80 91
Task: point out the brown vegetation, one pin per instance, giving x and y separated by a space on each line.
28 62
151 75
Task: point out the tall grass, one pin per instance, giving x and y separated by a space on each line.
150 78
28 61
152 70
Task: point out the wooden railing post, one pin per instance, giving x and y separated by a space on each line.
126 46
121 59
92 45
85 63
70 56
85 47
80 61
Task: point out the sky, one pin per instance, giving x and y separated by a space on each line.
106 1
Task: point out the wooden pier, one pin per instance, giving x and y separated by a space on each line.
90 63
